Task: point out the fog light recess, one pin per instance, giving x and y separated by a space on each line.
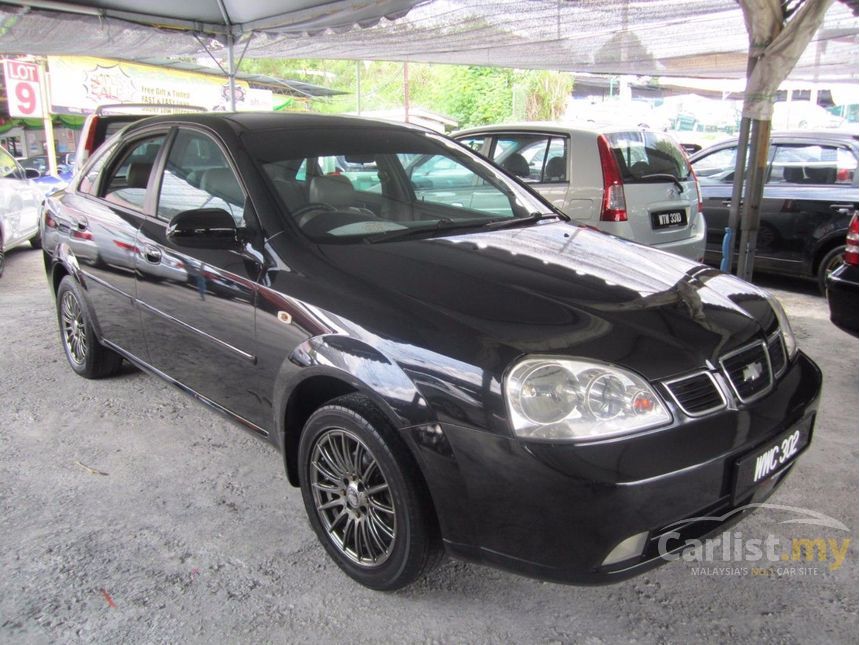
627 549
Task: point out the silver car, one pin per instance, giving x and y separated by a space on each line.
630 182
19 206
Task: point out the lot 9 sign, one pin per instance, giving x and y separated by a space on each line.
23 89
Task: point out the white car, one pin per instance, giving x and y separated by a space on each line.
19 206
633 183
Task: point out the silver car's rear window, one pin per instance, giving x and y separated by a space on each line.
643 156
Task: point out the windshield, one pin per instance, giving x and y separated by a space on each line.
642 155
348 184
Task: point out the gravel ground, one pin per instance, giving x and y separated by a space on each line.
130 513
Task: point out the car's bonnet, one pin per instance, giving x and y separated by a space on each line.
551 289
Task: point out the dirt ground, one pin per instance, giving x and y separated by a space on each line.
131 513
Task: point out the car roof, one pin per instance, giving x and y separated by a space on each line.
249 121
799 136
586 127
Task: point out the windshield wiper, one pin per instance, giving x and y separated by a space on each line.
442 224
515 221
664 176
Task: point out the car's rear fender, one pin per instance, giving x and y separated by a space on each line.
62 263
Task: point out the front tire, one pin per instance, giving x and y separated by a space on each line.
86 356
363 496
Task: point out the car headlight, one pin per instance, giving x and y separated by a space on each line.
561 398
788 338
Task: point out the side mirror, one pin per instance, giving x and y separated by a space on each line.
204 228
32 173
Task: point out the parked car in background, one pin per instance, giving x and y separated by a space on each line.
47 182
842 283
19 206
472 374
803 115
633 183
109 119
810 194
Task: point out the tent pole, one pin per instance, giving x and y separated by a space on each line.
406 92
759 153
737 191
737 187
358 87
231 70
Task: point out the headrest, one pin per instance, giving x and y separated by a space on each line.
821 175
516 164
291 193
222 183
556 168
336 190
793 174
138 174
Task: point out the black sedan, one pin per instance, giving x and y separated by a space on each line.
842 284
810 193
442 372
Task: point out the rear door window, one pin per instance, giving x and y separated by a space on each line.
645 156
812 164
126 183
534 158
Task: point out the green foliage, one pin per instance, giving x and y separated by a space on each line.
470 94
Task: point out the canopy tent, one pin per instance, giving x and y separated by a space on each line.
765 40
702 38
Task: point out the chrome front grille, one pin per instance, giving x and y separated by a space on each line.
776 353
697 394
749 371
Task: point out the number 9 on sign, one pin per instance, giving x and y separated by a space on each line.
27 99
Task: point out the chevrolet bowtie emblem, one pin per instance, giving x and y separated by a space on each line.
752 372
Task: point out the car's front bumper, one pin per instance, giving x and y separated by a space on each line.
555 511
842 297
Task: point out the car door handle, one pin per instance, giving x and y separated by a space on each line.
843 208
728 202
152 254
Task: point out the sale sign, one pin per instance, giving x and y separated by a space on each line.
23 89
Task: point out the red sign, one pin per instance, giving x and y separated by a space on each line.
23 89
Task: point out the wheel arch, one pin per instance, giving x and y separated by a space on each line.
308 391
824 247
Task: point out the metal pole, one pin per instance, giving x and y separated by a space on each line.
737 186
406 91
358 87
759 153
50 146
737 191
231 71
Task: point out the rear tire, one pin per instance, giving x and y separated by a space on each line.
86 355
363 496
831 260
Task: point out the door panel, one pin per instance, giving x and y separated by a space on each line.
102 237
197 305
